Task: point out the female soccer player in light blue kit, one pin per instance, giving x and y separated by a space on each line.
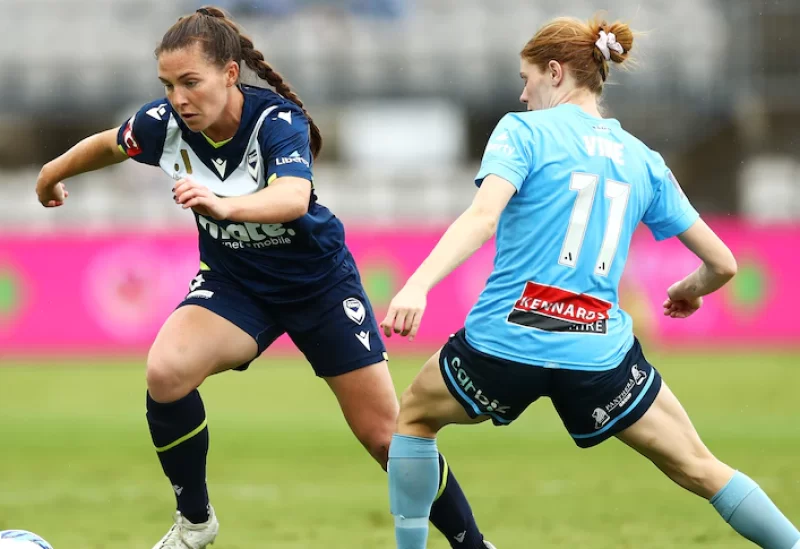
564 189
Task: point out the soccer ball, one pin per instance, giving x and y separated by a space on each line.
20 539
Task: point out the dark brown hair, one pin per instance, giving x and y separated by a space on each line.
222 41
572 42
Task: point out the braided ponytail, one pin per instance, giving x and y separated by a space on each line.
255 61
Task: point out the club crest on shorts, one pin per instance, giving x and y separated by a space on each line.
638 376
354 310
600 417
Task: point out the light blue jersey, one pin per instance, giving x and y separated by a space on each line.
583 184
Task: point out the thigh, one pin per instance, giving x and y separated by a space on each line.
663 429
217 325
595 406
197 341
488 387
337 331
666 436
366 396
428 405
369 404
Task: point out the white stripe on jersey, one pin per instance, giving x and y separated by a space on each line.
246 179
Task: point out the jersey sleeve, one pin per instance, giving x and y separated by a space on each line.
285 145
670 213
509 152
142 136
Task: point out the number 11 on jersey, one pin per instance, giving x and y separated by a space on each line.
585 184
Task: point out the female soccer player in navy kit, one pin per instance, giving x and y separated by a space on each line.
273 260
564 190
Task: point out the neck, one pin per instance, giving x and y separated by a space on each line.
584 99
228 122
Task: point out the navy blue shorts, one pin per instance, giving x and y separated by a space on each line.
337 331
593 405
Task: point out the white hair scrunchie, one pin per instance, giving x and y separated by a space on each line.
608 42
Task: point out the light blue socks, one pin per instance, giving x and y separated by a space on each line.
745 506
413 483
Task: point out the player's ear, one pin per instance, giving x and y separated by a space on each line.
555 71
231 73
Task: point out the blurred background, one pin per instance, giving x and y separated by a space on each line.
406 93
715 91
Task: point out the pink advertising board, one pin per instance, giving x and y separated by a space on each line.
74 294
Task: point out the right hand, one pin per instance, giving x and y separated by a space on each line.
51 196
405 312
680 303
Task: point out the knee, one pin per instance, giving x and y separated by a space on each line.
407 398
166 378
380 451
409 414
376 440
415 418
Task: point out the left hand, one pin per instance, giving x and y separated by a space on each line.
405 312
679 303
190 194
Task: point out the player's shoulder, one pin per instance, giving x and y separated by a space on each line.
143 135
543 117
564 116
156 112
276 118
535 122
276 106
520 119
518 125
647 155
153 119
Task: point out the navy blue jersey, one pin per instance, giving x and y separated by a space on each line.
281 262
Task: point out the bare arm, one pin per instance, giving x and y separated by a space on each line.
467 233
284 200
719 265
94 152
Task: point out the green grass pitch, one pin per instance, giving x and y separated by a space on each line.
77 466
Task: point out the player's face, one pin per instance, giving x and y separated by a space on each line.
536 86
196 87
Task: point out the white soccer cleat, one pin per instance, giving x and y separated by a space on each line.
185 535
488 545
